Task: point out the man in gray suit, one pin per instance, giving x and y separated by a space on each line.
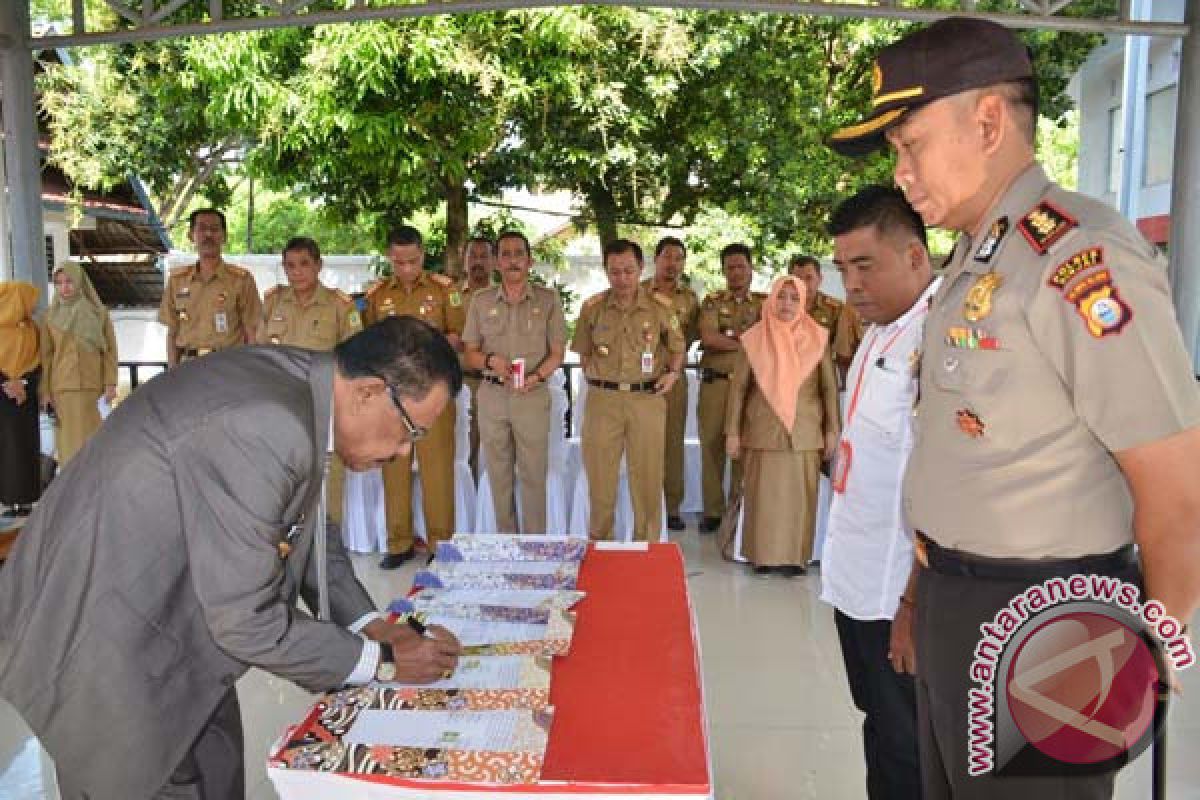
166 560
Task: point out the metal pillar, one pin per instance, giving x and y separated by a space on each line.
1133 117
1185 189
22 160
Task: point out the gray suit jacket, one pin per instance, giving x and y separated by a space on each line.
149 578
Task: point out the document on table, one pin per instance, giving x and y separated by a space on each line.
479 632
511 547
498 575
433 600
493 672
495 731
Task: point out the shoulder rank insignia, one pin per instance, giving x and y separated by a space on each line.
1102 309
440 279
1045 225
274 290
340 295
987 248
979 297
593 300
1082 261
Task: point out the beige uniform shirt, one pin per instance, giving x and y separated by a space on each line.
69 365
632 345
524 329
1050 345
433 298
843 323
328 318
468 296
686 306
210 314
722 312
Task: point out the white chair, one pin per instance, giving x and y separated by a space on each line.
364 522
556 469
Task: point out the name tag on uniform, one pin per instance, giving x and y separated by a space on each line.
221 322
647 363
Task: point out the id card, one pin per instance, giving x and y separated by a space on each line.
648 363
221 322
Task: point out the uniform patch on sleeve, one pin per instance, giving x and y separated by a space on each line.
1082 261
1099 305
1045 225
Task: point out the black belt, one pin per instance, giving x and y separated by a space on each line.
473 374
957 563
196 352
494 379
648 386
709 375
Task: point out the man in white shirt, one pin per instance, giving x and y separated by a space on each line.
880 251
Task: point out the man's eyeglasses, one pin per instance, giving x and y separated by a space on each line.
415 432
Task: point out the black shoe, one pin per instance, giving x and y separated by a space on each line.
675 523
794 571
710 524
395 560
763 570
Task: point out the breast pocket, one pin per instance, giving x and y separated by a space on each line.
886 404
493 326
276 329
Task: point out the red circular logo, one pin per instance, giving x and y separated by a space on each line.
1082 687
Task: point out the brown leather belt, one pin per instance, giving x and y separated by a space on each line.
196 352
493 379
648 386
957 563
710 375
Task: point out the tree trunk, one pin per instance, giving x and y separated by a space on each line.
456 226
604 208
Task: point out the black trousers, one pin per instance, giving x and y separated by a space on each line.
214 769
950 609
888 702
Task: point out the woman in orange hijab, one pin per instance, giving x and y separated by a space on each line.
782 421
20 437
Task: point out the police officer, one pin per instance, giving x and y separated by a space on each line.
1057 419
306 313
434 299
669 257
840 319
724 315
632 348
516 322
479 261
212 304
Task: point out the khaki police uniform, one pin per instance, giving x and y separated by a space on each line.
206 315
844 325
626 351
472 379
721 312
686 307
1050 345
433 298
328 318
514 427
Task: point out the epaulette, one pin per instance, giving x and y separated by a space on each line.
593 300
274 290
340 295
237 270
712 298
759 295
1044 225
441 280
663 300
177 272
376 286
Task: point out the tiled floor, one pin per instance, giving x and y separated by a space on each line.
782 723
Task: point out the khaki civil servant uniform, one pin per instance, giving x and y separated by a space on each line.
844 325
686 307
328 318
626 350
720 312
433 298
781 466
214 314
74 377
514 427
1050 345
472 379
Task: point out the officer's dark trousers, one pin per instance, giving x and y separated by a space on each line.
214 768
950 609
888 701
